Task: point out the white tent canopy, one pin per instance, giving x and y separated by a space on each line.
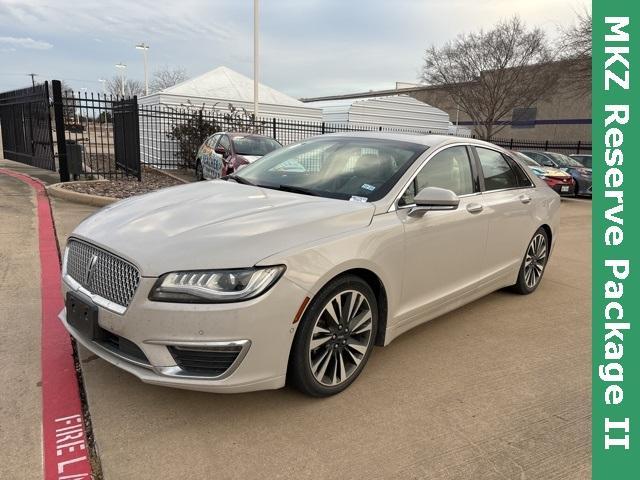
222 86
400 112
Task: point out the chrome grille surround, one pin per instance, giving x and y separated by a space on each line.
100 274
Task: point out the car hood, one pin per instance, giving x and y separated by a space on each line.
216 224
553 172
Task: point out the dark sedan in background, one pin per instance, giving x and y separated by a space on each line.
581 175
583 159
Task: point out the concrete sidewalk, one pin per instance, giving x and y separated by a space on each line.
20 321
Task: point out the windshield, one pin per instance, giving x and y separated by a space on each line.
527 160
583 159
564 161
253 145
349 168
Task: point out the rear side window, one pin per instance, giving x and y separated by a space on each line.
523 178
497 172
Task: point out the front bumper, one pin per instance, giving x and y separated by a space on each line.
262 329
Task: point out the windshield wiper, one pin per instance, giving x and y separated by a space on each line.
294 189
238 179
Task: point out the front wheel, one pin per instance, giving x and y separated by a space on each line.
335 338
533 264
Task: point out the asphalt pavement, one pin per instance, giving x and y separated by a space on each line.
498 389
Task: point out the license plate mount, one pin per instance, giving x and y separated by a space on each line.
82 315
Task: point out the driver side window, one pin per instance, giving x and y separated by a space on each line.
450 169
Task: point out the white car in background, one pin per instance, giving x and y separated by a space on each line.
283 273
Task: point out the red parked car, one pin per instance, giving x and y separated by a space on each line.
559 180
226 152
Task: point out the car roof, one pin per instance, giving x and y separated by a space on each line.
244 134
429 140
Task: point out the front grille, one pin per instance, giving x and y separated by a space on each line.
102 273
209 361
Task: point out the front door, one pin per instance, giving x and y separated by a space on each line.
444 249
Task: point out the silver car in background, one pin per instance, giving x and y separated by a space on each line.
296 266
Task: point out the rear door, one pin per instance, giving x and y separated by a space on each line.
507 196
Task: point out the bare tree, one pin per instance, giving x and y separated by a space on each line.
489 73
575 49
166 77
131 87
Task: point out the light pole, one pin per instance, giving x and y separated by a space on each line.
255 59
122 67
142 46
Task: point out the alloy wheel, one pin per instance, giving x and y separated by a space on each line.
340 338
535 260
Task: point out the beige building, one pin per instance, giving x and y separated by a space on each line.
564 115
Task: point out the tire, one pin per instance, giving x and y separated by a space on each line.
199 171
576 192
339 355
533 264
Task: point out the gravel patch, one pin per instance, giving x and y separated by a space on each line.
126 187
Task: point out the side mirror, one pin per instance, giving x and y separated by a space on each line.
220 150
434 198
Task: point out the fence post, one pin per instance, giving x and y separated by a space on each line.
511 144
578 149
546 145
323 128
58 116
274 128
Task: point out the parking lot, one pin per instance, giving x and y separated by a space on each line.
497 389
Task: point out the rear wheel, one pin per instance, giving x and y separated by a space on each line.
533 264
335 338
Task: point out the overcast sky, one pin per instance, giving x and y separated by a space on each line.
308 47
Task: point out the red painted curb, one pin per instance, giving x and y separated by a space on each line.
65 447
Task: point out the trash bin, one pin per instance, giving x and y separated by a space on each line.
74 158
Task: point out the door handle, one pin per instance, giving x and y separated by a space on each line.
474 208
525 198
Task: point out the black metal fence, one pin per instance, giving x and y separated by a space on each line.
26 126
171 136
101 137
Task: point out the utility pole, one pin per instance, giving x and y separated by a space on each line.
256 62
142 46
33 78
121 66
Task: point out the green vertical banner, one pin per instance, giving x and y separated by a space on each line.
616 239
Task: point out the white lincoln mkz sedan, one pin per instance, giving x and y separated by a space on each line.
295 267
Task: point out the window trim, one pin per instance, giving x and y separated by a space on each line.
508 159
474 173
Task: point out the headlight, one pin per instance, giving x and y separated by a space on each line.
215 286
